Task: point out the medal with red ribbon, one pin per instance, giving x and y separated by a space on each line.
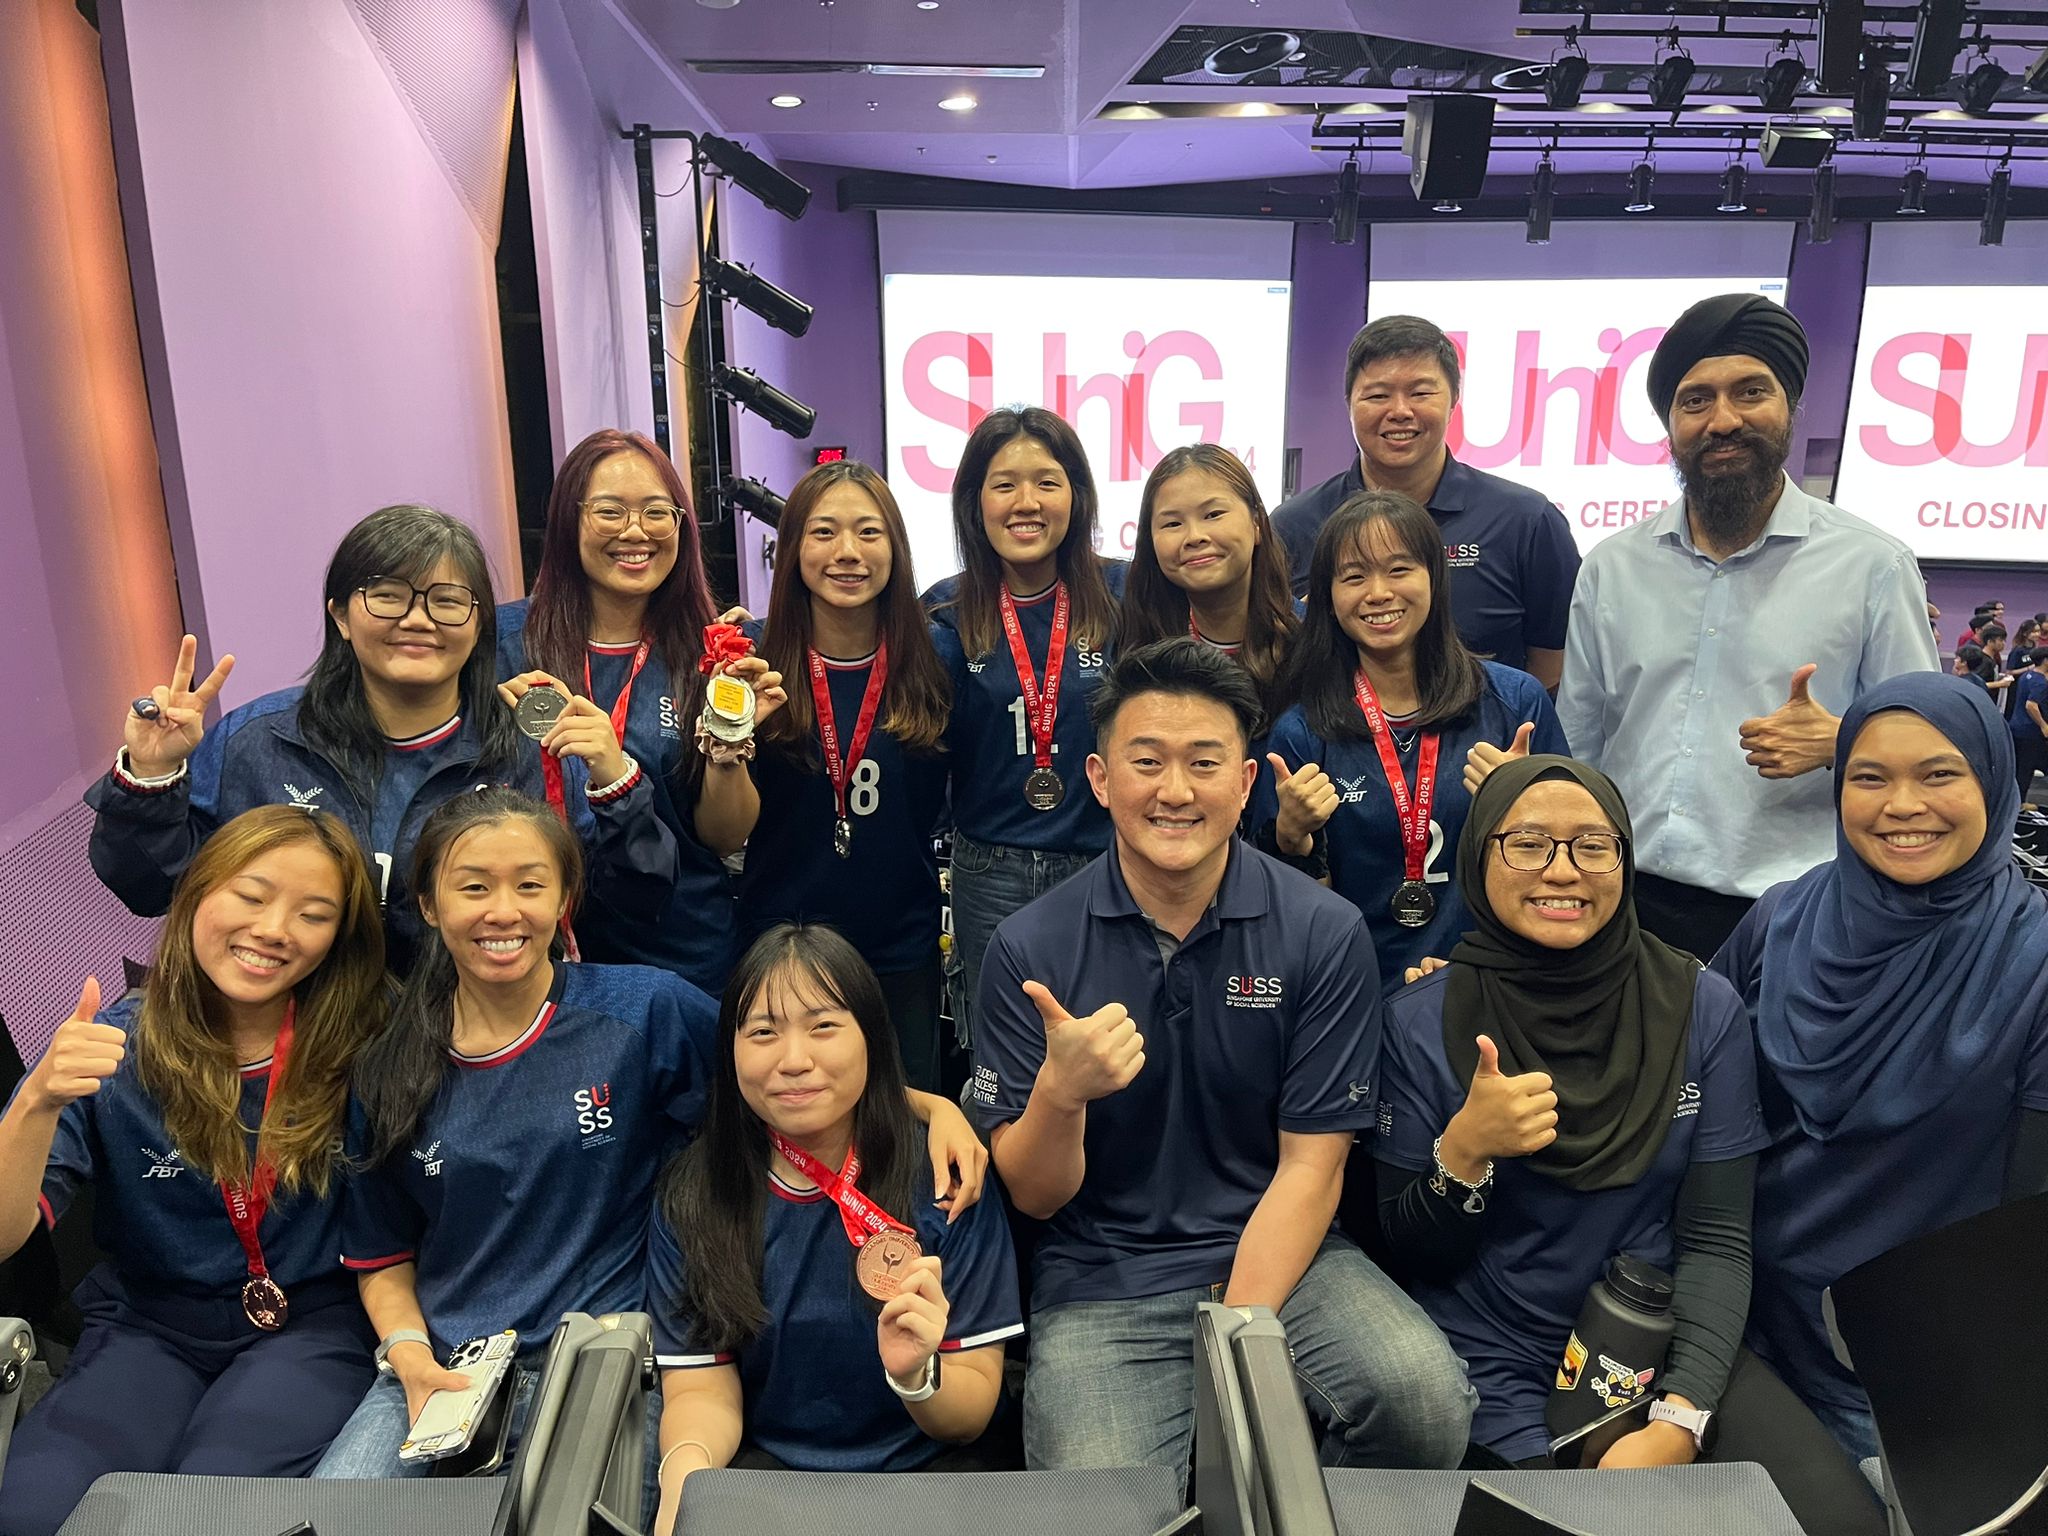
884 1246
1413 904
840 770
728 716
551 766
263 1300
1043 790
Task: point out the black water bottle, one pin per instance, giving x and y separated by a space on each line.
1612 1362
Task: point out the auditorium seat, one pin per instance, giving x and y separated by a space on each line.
1091 1501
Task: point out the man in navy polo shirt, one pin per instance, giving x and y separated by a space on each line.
1176 1047
1511 553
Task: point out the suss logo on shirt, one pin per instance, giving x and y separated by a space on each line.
671 719
593 1109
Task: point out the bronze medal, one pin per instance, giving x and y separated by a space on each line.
263 1303
882 1260
1043 790
538 709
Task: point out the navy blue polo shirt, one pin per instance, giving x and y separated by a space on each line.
811 1379
1509 1312
1510 550
988 740
1266 1019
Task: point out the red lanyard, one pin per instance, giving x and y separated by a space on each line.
1414 812
551 766
861 1217
247 1204
839 770
1041 710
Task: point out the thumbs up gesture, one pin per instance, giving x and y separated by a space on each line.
1088 1058
1502 1117
1485 757
1796 737
82 1055
1307 800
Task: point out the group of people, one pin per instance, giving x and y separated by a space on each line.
1272 868
2017 676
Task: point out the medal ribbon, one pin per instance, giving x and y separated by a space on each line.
1041 710
838 771
247 1204
723 643
551 766
1414 812
861 1217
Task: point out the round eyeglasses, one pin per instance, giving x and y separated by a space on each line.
658 519
1591 853
448 603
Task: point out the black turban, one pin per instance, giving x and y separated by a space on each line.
1729 325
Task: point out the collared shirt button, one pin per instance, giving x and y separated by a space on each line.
1713 632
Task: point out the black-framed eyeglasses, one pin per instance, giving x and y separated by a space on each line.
658 519
1591 853
448 603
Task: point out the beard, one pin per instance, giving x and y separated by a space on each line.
1728 495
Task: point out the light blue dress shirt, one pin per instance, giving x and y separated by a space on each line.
1668 653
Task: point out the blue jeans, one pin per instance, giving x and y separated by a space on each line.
990 881
1112 1383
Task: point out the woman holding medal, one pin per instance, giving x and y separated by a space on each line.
820 1292
852 773
400 711
1025 631
221 1335
1369 764
620 602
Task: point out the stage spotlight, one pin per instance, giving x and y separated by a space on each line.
1734 181
1996 196
1979 89
1937 37
744 387
1820 223
1639 179
1344 207
753 497
1779 85
1669 80
750 290
1564 80
786 195
1872 100
1913 191
1795 146
1542 198
2036 77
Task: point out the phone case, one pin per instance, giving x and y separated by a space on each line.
448 1420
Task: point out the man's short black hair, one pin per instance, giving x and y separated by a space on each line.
1400 336
1182 665
1986 633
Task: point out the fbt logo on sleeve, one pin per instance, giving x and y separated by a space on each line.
429 1159
162 1165
1252 991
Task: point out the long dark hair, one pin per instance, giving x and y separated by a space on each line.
397 1076
1094 622
713 1192
1448 677
558 613
406 541
1155 608
918 695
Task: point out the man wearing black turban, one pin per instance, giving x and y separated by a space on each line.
1715 644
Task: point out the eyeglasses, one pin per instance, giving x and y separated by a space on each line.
1591 853
658 519
448 603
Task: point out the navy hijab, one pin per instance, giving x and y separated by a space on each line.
1877 998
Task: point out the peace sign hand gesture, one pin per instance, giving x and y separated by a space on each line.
157 743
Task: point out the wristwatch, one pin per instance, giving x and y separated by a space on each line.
1701 1423
391 1342
918 1393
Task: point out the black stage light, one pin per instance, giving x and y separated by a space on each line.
1937 38
1996 196
1980 87
1820 223
744 387
1913 191
2036 77
1344 207
1542 199
1669 80
753 497
1639 179
1564 80
749 289
1778 86
1872 100
1734 181
786 195
1795 146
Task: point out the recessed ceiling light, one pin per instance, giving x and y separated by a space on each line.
927 5
785 101
957 103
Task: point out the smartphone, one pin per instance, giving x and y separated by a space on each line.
448 1419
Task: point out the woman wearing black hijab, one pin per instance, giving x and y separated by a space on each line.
1567 1089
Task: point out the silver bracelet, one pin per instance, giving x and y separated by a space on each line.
1442 1179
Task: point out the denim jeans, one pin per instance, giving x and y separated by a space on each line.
1112 1383
990 881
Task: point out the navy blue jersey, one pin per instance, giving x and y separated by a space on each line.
812 1378
989 739
164 1225
1510 1311
1266 1019
690 930
524 1191
1511 554
2028 687
884 895
1824 1207
1366 860
143 839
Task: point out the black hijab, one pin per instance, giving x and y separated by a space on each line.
1607 1020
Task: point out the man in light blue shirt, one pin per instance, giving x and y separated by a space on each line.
1712 648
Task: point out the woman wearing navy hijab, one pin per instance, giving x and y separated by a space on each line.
1901 1012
